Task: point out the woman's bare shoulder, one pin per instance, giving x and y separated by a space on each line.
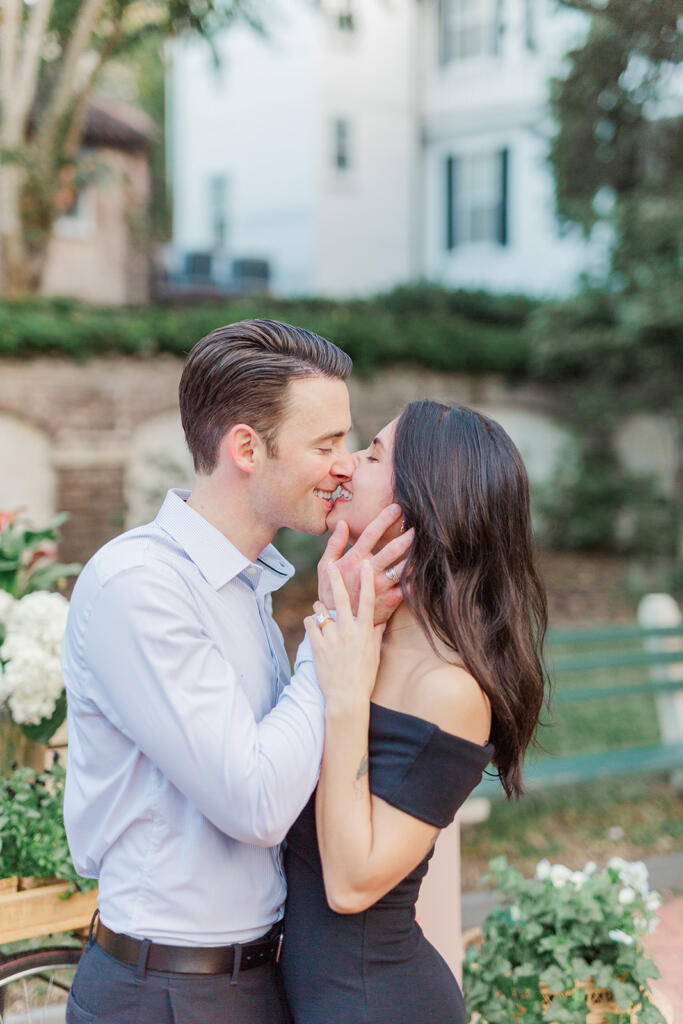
451 698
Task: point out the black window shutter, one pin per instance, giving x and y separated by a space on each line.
450 202
503 233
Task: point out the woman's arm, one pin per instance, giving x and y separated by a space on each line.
366 845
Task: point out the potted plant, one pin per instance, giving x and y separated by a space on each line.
33 840
32 621
565 947
36 871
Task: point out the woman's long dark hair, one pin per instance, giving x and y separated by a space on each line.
470 577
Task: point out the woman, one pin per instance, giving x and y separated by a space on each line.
413 716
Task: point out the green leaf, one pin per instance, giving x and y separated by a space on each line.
43 731
48 531
555 979
649 1014
47 577
625 995
580 968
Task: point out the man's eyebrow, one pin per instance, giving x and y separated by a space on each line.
330 435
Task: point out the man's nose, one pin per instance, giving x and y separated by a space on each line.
344 465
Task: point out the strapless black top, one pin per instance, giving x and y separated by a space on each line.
376 967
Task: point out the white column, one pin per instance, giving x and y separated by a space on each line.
660 611
438 908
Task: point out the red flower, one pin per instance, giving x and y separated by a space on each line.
7 518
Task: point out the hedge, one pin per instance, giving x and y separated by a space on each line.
426 325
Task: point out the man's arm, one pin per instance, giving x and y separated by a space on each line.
169 689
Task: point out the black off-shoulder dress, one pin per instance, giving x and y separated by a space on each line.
377 967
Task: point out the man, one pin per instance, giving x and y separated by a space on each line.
191 751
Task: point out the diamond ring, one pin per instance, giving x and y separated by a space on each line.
322 617
392 575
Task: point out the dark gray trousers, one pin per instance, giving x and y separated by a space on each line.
105 991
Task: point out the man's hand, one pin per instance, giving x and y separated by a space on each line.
388 594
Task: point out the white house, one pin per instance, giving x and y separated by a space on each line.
374 143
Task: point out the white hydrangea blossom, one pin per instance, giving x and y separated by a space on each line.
618 936
633 874
41 617
653 901
31 682
543 870
560 875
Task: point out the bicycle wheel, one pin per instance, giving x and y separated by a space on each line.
34 986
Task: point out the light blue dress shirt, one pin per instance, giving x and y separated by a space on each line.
191 750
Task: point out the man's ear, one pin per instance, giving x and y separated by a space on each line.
242 446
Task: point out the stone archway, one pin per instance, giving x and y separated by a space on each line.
28 480
541 440
157 459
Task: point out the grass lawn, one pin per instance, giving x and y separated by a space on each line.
632 817
601 723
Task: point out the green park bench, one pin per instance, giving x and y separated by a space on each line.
592 660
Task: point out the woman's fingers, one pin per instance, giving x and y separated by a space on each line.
374 531
393 551
314 634
342 602
366 601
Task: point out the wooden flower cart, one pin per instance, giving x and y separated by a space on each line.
35 984
29 909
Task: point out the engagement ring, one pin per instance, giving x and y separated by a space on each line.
392 575
322 617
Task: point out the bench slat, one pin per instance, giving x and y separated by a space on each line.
569 770
625 690
586 664
571 636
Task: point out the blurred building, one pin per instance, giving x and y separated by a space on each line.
372 144
99 248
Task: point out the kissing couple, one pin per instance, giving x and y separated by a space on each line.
259 837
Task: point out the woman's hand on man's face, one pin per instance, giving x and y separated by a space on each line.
387 594
346 651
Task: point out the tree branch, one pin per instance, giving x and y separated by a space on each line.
587 6
27 77
8 46
88 14
73 137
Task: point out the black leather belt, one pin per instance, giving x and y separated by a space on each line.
191 959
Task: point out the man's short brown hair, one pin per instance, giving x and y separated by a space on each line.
240 374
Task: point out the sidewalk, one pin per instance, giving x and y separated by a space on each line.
666 948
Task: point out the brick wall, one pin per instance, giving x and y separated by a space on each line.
92 415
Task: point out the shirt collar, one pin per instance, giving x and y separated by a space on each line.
217 558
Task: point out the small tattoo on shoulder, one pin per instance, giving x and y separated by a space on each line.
363 768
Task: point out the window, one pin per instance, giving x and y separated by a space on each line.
78 220
530 24
218 210
477 198
340 144
345 18
469 28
